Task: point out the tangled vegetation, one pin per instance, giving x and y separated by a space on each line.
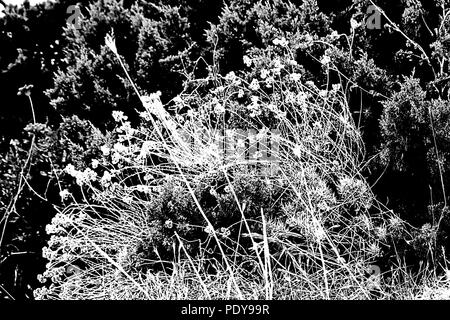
264 150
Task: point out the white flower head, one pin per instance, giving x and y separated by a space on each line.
264 73
64 194
148 177
336 87
297 150
269 81
209 229
105 150
178 100
277 63
354 24
70 169
325 60
309 39
295 77
106 179
247 61
281 42
254 85
447 275
231 76
95 163
225 232
119 116
127 199
257 155
120 148
168 224
219 109
145 115
153 104
110 42
323 93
